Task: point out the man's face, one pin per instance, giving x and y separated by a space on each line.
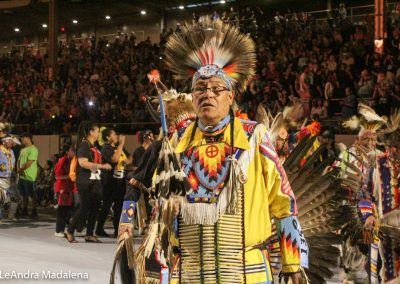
211 100
71 153
368 140
25 140
113 138
281 145
94 133
8 143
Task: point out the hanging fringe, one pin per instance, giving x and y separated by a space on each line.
208 214
170 178
126 243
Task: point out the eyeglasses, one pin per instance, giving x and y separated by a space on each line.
217 90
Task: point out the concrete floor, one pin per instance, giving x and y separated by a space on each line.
30 245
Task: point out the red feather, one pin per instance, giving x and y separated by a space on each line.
154 76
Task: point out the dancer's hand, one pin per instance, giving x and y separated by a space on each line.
133 182
121 139
296 278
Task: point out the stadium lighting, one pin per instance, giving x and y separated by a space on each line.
44 26
143 12
16 30
75 21
108 17
181 7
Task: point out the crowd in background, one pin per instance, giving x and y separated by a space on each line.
327 66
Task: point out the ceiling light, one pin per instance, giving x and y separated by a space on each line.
75 21
44 26
143 12
222 2
108 17
16 30
181 7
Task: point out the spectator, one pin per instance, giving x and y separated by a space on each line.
113 182
318 110
349 104
65 190
28 169
304 89
145 138
45 183
105 80
88 183
365 85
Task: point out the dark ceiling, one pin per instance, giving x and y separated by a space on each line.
91 13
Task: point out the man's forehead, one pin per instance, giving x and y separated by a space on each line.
368 134
204 81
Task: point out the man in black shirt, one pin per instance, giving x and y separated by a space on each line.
146 138
88 183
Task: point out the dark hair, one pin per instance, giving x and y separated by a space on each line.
66 148
106 133
84 129
27 134
49 163
144 135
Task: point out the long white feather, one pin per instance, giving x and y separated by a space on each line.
369 114
352 123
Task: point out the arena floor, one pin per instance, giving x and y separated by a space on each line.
30 246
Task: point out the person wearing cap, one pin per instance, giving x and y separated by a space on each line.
237 183
8 194
27 168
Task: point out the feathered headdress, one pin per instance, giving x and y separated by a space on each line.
211 48
280 125
6 126
369 120
391 134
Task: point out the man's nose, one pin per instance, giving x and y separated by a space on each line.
208 93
